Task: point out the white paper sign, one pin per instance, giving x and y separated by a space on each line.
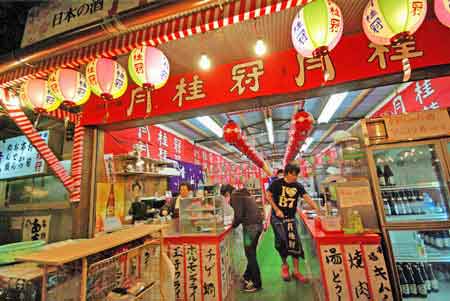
378 273
18 157
36 228
334 271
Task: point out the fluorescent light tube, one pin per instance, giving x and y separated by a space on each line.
307 143
334 102
211 125
269 127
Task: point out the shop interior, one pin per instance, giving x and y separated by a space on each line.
408 202
368 187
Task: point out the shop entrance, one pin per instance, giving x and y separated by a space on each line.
200 157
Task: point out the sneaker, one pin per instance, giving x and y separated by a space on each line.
299 277
249 287
285 272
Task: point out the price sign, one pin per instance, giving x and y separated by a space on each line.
19 158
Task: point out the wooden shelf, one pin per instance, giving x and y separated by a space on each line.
65 254
143 174
128 157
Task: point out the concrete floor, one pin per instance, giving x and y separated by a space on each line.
274 288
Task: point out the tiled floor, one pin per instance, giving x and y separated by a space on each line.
274 288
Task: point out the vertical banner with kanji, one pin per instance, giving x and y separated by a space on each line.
334 273
209 270
378 274
357 273
176 254
193 283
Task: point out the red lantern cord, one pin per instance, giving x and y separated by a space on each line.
301 125
233 135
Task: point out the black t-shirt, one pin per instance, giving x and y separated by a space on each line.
286 195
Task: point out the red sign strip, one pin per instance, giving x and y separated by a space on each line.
77 162
24 124
137 38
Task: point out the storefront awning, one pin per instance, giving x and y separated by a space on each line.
176 28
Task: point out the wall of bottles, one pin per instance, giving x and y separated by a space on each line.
424 280
411 183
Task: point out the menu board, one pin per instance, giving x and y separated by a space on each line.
18 157
357 273
378 273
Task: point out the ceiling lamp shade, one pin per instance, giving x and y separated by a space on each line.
107 78
148 67
35 95
69 87
442 10
317 28
388 22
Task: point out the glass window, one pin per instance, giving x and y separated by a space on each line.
412 184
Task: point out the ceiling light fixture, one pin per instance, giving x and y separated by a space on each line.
260 47
211 125
331 107
204 62
269 128
306 145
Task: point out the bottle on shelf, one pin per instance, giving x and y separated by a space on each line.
446 239
425 277
111 202
421 250
404 286
420 282
410 279
380 176
387 206
401 209
392 203
406 202
388 175
432 276
440 240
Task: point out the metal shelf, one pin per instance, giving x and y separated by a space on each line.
413 186
417 217
433 255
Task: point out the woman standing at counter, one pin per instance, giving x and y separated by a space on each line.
283 195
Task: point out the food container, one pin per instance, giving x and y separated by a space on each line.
331 223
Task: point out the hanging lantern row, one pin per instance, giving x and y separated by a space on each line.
148 67
233 135
301 125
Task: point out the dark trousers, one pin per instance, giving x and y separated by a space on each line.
287 240
251 237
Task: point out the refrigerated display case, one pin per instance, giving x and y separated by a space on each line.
409 167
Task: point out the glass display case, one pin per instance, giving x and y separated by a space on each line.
422 261
411 180
203 214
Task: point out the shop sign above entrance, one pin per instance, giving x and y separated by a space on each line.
355 58
57 16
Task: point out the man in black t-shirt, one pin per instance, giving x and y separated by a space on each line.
283 195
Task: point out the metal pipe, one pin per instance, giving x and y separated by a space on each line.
115 24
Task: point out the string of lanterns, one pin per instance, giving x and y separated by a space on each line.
301 125
233 135
106 78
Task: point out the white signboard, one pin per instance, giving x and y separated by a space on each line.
18 157
54 17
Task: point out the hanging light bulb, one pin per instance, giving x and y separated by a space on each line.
260 48
204 62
